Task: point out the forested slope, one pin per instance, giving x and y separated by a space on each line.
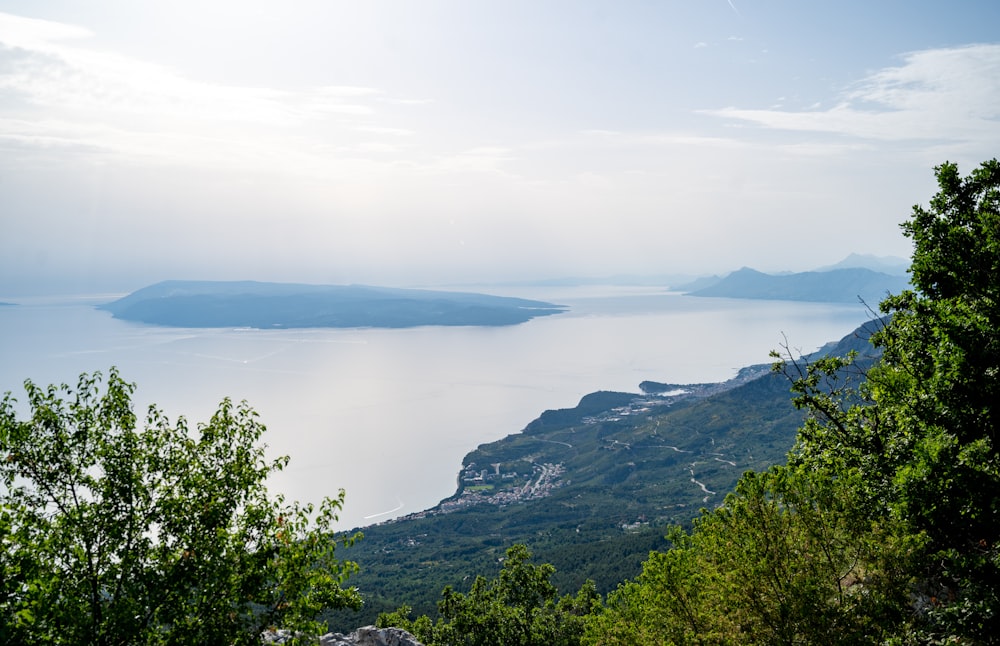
590 489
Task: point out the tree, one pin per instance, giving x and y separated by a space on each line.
113 534
518 608
925 437
885 523
938 386
782 561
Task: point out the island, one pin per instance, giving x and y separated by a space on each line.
263 305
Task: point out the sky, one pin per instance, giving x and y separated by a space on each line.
460 141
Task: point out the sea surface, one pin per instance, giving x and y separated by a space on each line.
388 414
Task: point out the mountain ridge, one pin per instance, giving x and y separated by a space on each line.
892 265
833 286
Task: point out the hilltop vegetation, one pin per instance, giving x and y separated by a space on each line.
116 532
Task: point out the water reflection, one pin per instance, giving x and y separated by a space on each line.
389 414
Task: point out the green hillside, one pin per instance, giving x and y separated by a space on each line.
590 489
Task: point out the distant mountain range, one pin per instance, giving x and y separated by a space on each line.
857 276
284 305
886 274
833 286
892 265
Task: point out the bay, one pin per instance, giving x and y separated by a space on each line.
388 414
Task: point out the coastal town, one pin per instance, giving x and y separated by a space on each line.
496 487
493 486
503 484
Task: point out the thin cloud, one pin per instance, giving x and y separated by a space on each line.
68 79
381 130
666 139
31 33
408 101
58 94
935 94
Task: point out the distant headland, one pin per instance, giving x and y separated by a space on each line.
252 304
846 285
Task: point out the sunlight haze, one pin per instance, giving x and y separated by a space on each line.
413 143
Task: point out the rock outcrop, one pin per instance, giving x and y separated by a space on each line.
371 636
365 636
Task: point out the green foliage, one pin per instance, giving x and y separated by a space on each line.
922 431
944 349
113 534
785 560
520 607
884 527
939 384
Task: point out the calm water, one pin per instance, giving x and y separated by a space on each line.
389 414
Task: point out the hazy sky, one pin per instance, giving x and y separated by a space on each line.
420 142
